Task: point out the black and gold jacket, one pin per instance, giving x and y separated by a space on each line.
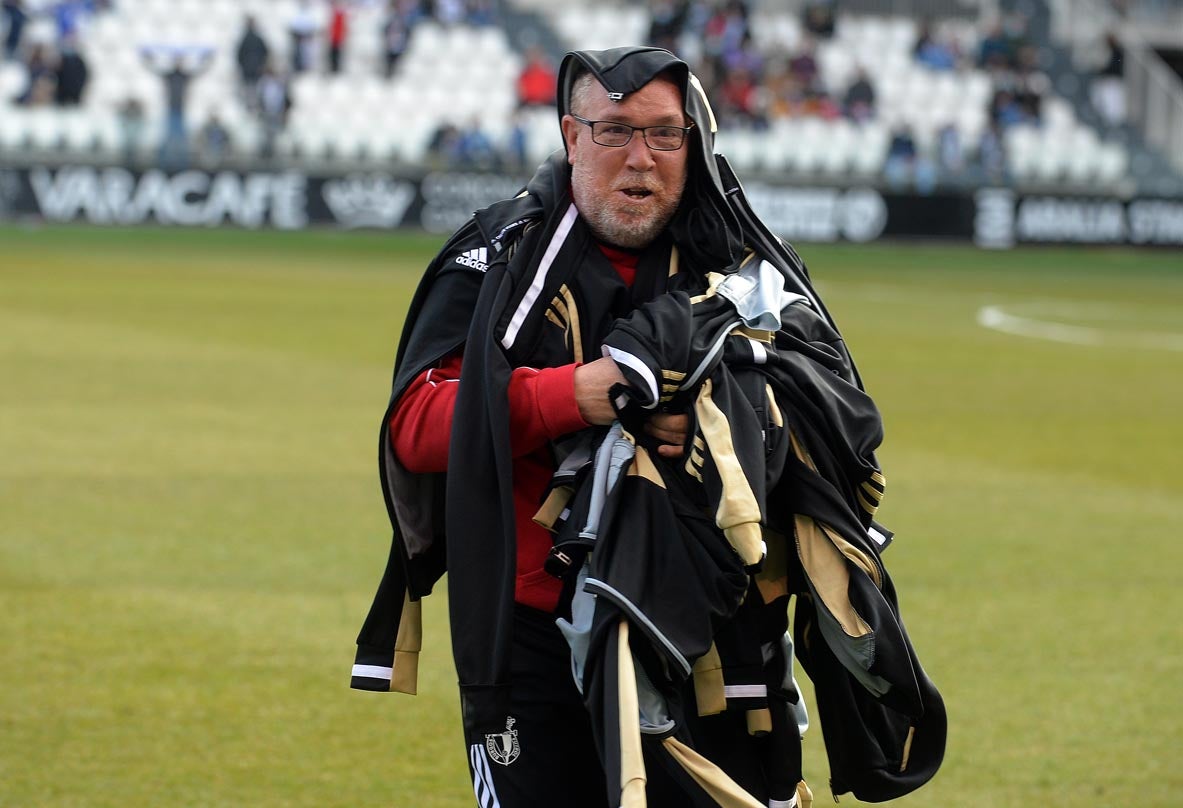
781 462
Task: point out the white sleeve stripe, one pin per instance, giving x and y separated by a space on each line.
552 250
745 691
373 672
789 803
636 364
759 352
482 778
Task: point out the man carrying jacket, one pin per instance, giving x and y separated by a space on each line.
626 185
500 371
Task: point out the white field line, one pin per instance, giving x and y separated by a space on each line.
997 319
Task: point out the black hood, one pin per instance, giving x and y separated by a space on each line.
706 229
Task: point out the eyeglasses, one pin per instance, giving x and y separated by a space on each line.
658 138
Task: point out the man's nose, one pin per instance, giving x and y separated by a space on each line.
640 156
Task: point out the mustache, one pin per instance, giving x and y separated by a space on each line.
638 181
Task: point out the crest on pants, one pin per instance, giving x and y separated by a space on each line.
503 747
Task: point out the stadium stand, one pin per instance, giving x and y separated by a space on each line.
933 98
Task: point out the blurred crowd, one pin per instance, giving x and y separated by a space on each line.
318 32
55 72
750 87
754 89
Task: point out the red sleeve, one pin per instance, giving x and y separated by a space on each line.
541 407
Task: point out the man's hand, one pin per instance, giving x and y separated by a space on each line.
592 382
669 428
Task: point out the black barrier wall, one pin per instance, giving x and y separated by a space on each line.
439 202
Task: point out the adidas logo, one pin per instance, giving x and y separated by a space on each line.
474 259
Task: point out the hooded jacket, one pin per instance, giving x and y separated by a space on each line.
537 251
541 299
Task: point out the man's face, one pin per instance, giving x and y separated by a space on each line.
627 194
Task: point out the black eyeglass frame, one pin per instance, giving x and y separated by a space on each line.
644 130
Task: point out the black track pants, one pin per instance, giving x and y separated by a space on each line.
547 758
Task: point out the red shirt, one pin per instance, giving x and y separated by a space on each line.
536 85
337 27
541 408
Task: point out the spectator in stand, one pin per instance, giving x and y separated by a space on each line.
417 11
482 13
725 31
995 52
302 28
67 17
745 56
396 35
803 65
818 18
991 154
1107 90
337 33
698 13
517 143
817 103
923 37
1006 111
40 78
275 101
950 155
449 12
785 95
130 116
212 143
933 51
177 67
536 82
443 149
738 101
15 14
252 56
666 20
475 148
905 167
72 74
859 103
1028 83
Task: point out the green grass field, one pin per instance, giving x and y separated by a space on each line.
191 526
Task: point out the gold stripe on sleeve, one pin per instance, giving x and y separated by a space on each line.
632 763
738 513
773 408
722 789
573 320
826 568
867 506
708 683
407 644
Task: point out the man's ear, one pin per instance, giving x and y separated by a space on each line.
570 128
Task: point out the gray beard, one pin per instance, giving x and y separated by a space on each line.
608 227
